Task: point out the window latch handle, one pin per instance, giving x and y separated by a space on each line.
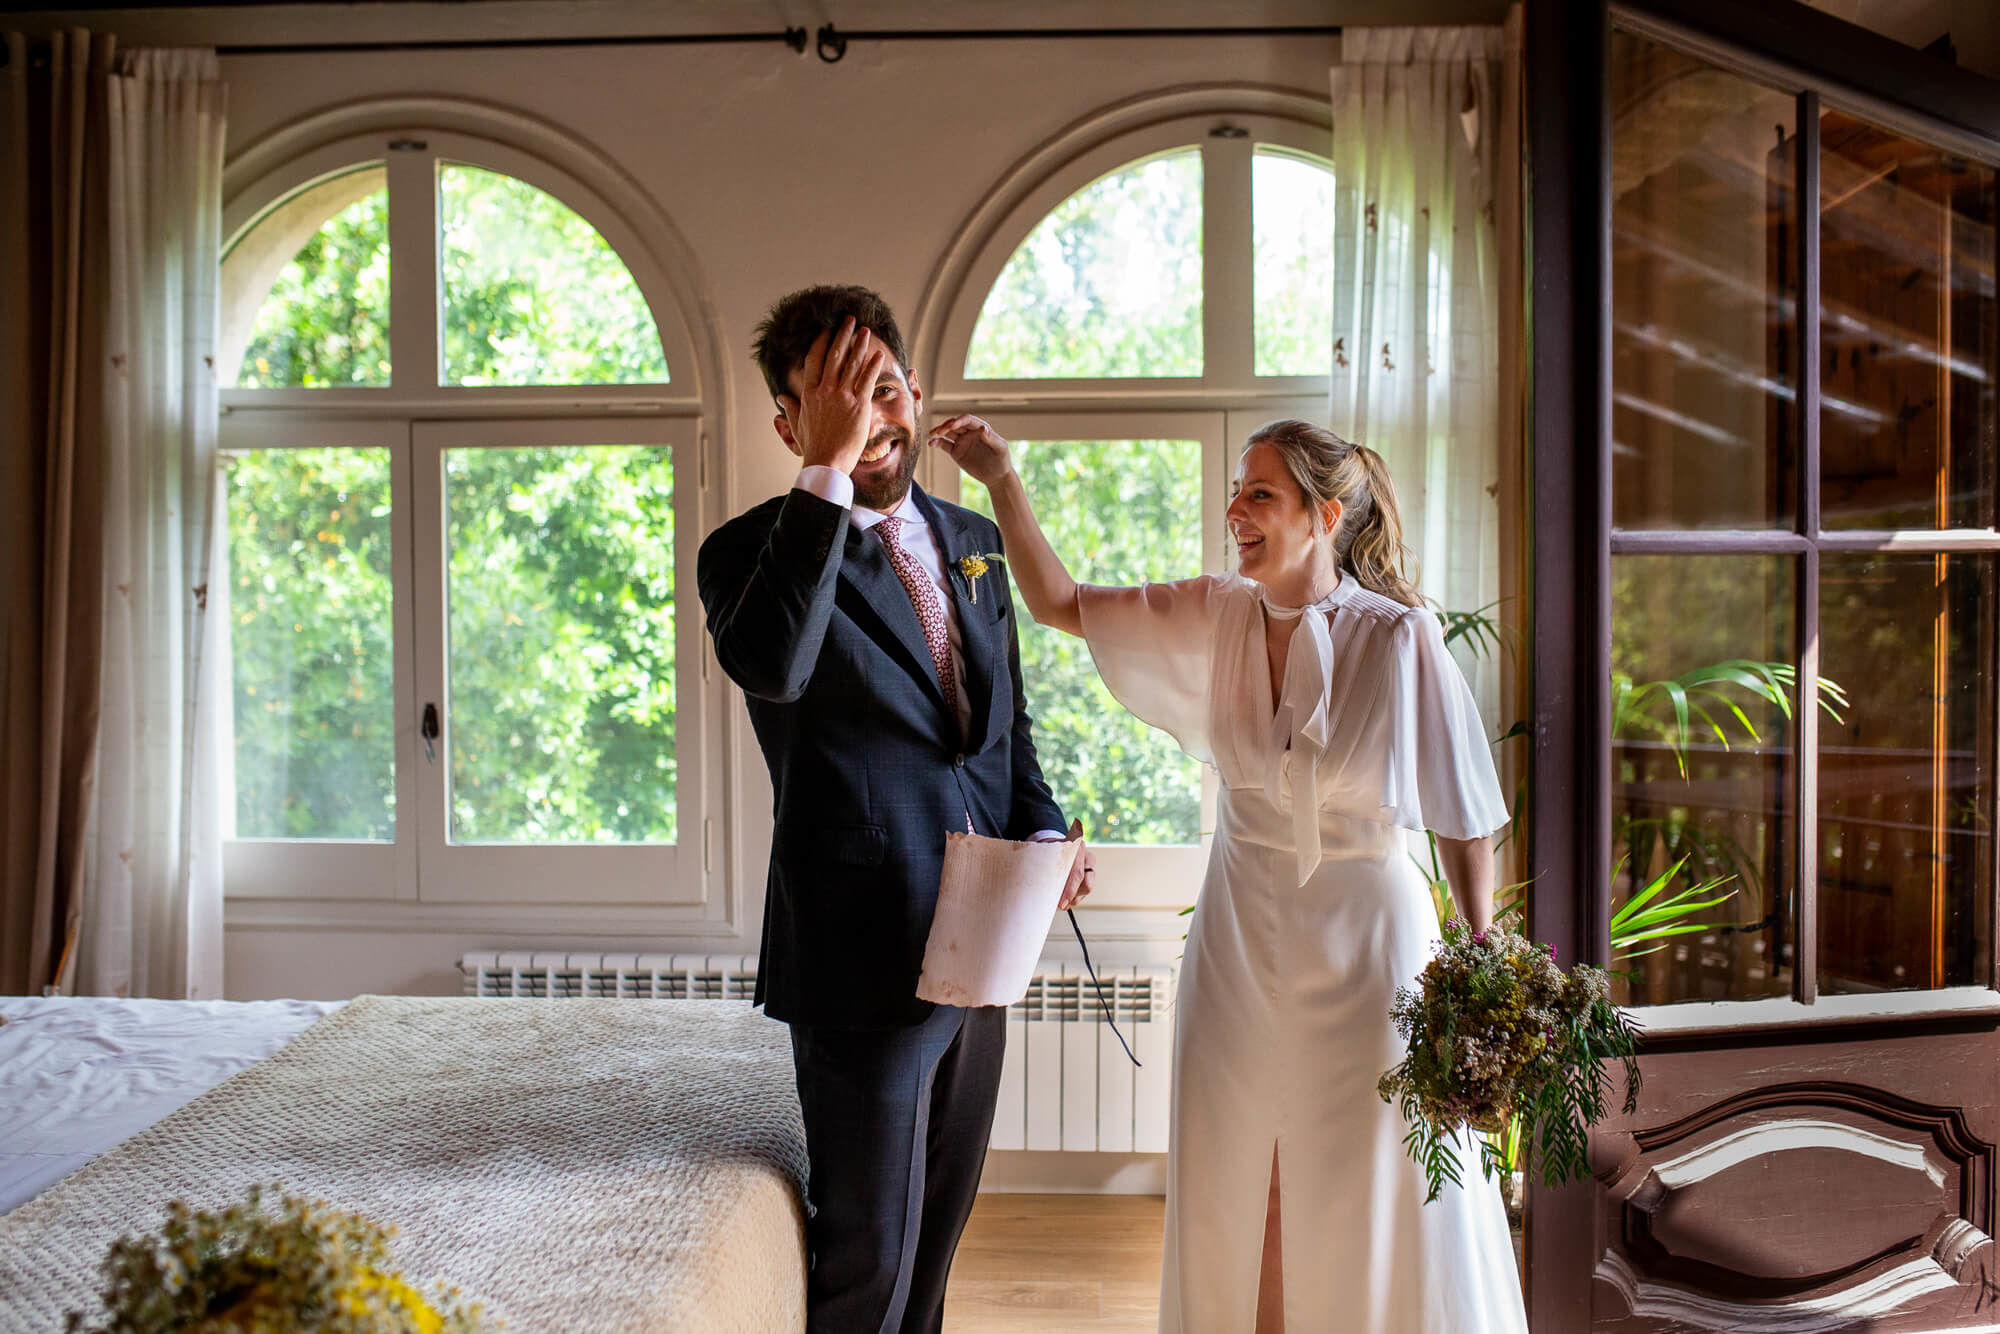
430 732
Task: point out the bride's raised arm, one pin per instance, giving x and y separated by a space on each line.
1038 571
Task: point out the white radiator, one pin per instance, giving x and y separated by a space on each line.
1065 1084
621 976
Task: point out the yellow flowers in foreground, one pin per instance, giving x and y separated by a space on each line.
304 1266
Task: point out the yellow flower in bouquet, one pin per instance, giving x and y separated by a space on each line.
1496 1031
304 1266
423 1317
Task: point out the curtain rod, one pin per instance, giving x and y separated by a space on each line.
830 43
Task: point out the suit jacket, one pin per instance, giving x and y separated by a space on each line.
868 769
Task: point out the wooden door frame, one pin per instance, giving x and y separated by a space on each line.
1567 136
1569 294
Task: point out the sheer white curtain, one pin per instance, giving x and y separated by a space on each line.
152 914
1417 122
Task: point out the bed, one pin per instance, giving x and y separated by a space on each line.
587 1165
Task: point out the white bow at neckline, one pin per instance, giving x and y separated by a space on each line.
1301 721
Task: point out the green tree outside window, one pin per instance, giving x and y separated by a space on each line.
1120 512
311 639
1108 285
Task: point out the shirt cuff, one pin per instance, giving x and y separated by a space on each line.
829 484
1048 836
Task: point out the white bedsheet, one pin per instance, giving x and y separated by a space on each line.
79 1074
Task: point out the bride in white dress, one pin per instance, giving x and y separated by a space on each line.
1319 687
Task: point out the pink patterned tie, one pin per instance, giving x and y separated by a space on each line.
930 608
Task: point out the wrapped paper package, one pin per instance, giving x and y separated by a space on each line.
995 902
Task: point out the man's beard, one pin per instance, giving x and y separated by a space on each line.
885 493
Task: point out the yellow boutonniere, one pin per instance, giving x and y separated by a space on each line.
972 567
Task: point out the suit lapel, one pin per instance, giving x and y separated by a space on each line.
882 598
977 640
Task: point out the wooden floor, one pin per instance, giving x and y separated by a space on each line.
1031 1264
1075 1263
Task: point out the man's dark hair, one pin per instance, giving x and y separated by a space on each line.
788 332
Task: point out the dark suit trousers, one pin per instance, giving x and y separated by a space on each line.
896 1127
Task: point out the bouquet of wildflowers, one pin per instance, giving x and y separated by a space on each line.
247 1270
1497 1032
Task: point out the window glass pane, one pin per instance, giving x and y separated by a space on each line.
1109 284
1910 332
306 292
1291 212
1906 774
532 293
1119 512
1705 802
561 653
312 644
1704 337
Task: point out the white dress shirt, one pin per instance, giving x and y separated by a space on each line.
835 486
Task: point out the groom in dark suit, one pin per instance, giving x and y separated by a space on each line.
888 704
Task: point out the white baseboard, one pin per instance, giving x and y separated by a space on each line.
1028 1172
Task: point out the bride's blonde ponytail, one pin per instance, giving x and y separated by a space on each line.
1369 541
1376 552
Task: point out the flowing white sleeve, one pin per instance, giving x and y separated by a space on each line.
1439 771
1153 646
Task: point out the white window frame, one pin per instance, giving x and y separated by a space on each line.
290 868
663 874
1228 141
418 879
412 155
1219 407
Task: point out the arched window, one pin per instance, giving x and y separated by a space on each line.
1108 285
461 439
1126 308
531 293
324 316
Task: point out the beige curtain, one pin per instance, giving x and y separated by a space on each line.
1417 125
152 913
53 281
1430 328
110 201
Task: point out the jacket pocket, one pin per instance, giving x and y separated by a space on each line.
840 844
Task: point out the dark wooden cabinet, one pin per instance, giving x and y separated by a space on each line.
1797 1184
1765 340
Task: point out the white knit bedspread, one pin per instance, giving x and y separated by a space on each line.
573 1165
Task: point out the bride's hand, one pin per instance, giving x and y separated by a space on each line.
974 446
